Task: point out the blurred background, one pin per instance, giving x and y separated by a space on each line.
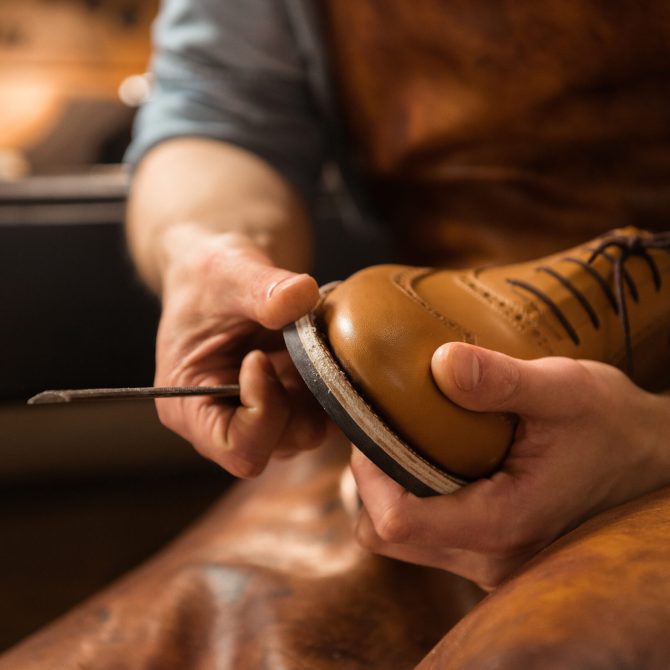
88 491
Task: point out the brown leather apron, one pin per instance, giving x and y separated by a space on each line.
492 131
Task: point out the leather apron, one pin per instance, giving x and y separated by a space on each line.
494 131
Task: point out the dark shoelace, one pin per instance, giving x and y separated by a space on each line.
628 245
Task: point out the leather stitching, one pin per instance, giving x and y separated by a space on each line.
518 319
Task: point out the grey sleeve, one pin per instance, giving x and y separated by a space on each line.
232 70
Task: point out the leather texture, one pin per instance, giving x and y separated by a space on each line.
271 578
384 323
595 600
498 132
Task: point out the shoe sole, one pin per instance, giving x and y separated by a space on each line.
330 385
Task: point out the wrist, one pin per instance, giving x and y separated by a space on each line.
214 188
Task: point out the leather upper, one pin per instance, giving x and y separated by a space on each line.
384 323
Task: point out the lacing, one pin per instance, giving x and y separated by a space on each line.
628 245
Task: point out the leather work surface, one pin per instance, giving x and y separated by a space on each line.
596 599
271 578
497 132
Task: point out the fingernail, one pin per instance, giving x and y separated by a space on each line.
465 367
272 289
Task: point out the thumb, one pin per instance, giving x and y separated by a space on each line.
484 380
232 276
271 296
286 297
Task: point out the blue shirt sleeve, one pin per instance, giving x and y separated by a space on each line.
233 70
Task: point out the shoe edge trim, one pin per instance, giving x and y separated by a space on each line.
335 393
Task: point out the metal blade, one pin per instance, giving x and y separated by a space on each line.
74 395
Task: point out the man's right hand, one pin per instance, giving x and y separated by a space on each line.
223 304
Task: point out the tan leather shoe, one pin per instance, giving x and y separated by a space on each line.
366 350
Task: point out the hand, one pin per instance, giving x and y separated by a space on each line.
223 302
588 439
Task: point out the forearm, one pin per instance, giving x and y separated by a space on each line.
207 187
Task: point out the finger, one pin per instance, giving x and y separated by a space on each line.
230 276
243 441
268 295
378 491
306 427
368 537
391 507
485 571
484 380
488 515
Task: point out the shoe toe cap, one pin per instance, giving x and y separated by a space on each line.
384 339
